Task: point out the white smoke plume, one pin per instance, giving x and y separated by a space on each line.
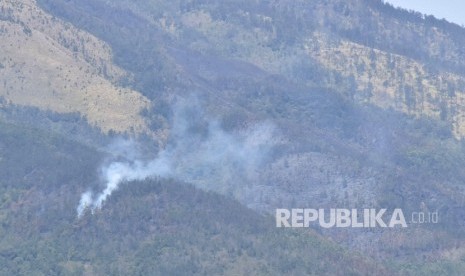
199 152
116 172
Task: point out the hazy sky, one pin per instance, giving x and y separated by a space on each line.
451 10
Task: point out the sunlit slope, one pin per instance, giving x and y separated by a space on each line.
394 81
49 64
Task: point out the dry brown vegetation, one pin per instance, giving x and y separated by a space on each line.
49 64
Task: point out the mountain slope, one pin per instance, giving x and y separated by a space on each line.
416 69
47 63
368 101
148 227
349 137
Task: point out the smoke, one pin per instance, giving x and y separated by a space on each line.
199 151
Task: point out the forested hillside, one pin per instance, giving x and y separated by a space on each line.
249 106
364 49
148 228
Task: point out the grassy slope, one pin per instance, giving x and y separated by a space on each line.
49 64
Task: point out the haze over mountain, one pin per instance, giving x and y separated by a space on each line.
224 111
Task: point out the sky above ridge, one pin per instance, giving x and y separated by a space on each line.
451 10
